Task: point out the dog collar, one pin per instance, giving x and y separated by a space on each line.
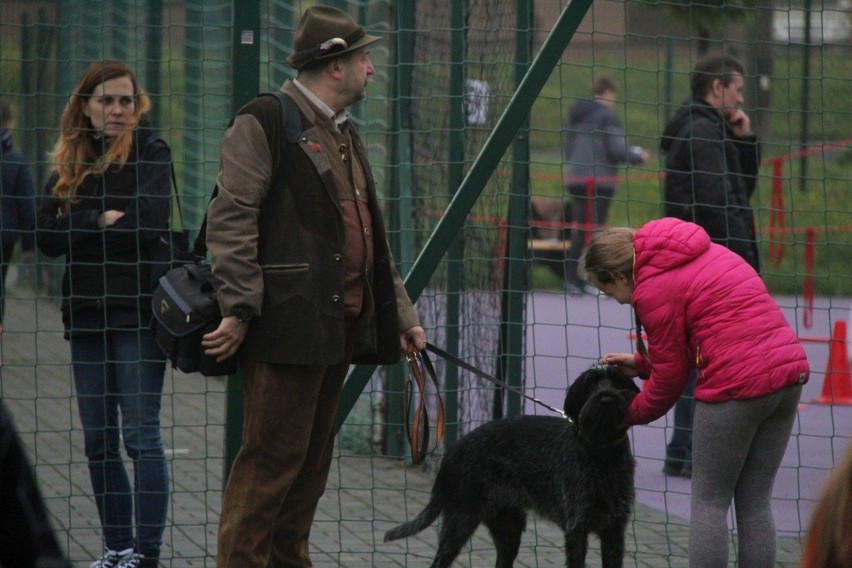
615 442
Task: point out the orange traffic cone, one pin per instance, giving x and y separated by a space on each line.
837 388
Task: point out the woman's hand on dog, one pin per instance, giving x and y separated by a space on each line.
624 361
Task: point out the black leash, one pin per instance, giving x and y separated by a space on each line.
482 374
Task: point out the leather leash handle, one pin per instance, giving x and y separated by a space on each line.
439 424
412 431
420 443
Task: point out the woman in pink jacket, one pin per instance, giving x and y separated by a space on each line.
704 307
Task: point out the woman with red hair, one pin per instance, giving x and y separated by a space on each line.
105 208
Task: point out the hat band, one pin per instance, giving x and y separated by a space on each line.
326 48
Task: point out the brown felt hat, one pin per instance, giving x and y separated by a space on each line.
325 32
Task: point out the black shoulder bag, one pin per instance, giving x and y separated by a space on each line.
184 302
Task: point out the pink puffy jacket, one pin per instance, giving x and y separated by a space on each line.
703 306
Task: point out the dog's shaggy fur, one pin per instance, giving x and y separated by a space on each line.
577 473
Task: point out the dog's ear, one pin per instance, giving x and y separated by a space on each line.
578 392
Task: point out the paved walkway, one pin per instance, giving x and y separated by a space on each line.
366 494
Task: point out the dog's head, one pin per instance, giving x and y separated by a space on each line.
597 402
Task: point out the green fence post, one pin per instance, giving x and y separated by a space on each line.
120 12
455 175
399 218
484 165
806 82
153 65
510 368
192 189
246 83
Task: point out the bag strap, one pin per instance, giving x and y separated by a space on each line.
289 115
176 194
417 431
292 129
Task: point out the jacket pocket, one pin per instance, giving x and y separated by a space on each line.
284 281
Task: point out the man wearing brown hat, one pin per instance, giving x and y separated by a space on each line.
296 236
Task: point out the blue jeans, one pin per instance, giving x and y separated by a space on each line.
122 371
679 448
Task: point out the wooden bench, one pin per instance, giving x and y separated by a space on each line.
548 216
548 245
550 240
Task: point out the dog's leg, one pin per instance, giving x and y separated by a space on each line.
612 547
576 545
456 530
506 528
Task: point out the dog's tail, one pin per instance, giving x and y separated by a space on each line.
426 517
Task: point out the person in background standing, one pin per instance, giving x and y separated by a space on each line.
594 146
17 202
105 207
296 237
711 164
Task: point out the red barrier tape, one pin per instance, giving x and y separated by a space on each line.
808 279
776 214
590 209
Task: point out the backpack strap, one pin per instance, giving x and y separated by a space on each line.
292 120
290 116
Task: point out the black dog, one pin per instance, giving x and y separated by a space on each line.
577 473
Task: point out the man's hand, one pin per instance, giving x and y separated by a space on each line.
740 123
415 335
226 339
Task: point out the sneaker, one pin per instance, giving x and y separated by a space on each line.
137 560
112 558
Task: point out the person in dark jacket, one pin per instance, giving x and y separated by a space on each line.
594 146
295 235
17 202
712 158
105 207
27 539
712 161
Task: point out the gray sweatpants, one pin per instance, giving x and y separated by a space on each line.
737 448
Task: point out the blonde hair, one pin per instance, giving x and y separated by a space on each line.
828 544
76 153
609 255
